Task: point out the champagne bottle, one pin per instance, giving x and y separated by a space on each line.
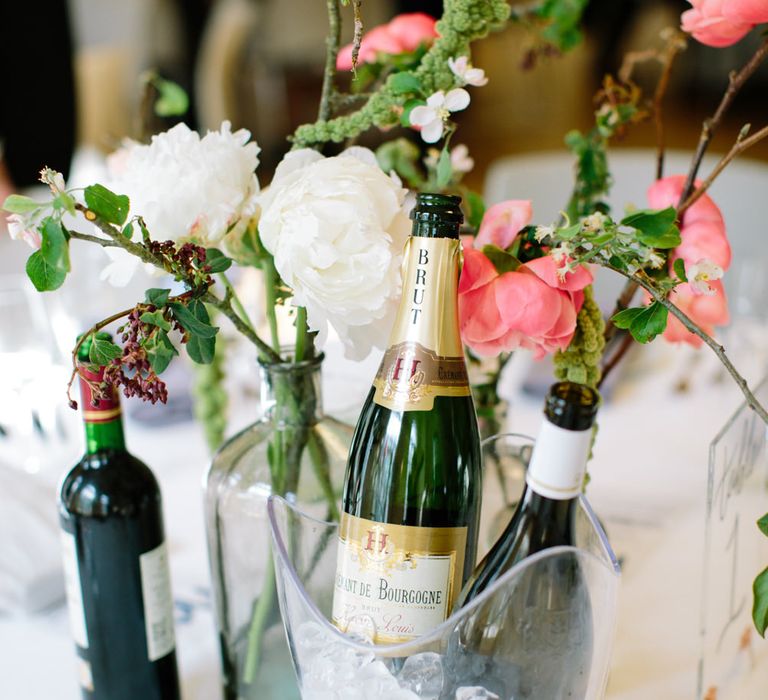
116 561
538 630
408 531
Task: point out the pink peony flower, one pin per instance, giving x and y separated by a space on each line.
529 307
405 32
704 238
707 311
721 23
502 222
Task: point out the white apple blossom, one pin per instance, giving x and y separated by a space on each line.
54 180
701 273
432 116
336 228
466 72
543 232
20 229
189 188
594 222
461 162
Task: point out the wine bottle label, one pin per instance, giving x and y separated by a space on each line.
559 461
97 410
74 590
425 357
396 582
158 602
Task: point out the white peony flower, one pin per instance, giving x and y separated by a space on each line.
431 117
189 188
466 72
336 228
701 273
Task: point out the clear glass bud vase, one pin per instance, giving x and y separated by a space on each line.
293 450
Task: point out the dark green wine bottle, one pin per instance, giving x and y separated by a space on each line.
116 562
538 630
408 532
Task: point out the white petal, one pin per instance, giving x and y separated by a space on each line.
476 77
433 131
436 100
422 115
456 100
364 155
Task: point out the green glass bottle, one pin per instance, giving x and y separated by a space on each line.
408 532
116 561
539 633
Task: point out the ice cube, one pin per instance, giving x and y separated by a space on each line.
423 675
475 692
311 637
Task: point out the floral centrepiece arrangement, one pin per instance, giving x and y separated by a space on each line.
327 233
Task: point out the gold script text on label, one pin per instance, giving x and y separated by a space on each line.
425 357
396 582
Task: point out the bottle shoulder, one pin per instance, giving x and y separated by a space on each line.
107 483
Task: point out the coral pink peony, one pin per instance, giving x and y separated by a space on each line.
707 311
501 312
721 23
703 235
405 32
502 222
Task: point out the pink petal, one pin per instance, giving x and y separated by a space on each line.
748 11
412 29
713 30
503 221
704 239
527 304
546 268
476 271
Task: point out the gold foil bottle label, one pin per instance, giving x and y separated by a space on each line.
425 357
396 582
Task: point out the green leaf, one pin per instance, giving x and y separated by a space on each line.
405 116
45 277
128 230
760 605
405 82
103 351
444 169
679 267
624 318
194 318
173 100
201 350
501 259
216 260
54 246
145 237
569 232
64 201
160 351
108 205
763 524
155 318
651 321
655 228
475 206
157 297
18 204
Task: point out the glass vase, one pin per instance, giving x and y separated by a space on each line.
293 450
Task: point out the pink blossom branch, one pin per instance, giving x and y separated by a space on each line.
718 349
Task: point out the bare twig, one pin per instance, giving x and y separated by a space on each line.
103 242
332 43
675 44
358 35
626 343
739 147
633 58
697 331
623 302
735 83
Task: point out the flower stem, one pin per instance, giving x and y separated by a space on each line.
332 44
262 609
236 303
301 333
270 284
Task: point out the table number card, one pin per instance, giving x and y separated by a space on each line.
735 552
